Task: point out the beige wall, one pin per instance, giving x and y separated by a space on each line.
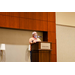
65 36
65 18
16 42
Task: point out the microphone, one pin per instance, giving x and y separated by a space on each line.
39 36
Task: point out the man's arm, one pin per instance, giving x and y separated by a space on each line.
31 41
38 40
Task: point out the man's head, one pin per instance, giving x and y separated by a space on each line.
34 34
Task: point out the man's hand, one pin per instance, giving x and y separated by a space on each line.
34 41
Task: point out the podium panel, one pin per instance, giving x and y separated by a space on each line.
41 54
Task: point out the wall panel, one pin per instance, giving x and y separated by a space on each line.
2 21
23 14
7 13
7 21
2 13
15 14
42 16
52 37
51 16
22 23
51 26
14 22
32 24
53 58
41 25
31 15
53 48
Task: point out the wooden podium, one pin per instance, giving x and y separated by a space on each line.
41 51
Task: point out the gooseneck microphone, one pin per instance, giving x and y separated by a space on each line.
39 36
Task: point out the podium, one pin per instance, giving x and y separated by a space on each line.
41 51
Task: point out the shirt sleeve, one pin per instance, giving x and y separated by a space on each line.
30 40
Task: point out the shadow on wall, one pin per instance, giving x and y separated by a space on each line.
2 56
27 54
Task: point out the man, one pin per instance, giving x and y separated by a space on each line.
32 40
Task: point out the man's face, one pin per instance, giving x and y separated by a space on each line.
35 35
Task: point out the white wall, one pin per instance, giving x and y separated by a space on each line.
65 36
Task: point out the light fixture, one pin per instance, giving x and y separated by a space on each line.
2 48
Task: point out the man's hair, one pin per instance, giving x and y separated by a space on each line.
34 32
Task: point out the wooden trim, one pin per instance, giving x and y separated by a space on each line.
45 49
65 25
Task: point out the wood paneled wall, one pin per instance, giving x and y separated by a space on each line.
39 21
52 35
24 20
